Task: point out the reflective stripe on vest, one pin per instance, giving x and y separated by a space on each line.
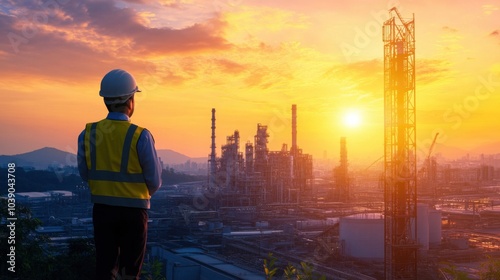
115 174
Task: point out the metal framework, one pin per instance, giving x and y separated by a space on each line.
341 175
400 184
212 161
262 176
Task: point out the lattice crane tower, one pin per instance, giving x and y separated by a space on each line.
400 184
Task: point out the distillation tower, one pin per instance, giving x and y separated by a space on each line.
212 162
400 180
341 175
259 176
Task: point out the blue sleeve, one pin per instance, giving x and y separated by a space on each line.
80 156
149 161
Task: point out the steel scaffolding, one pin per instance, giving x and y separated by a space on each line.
400 148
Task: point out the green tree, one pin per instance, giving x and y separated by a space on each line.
26 248
490 270
455 273
34 258
290 271
78 263
153 270
305 272
269 266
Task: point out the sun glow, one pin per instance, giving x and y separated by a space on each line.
352 119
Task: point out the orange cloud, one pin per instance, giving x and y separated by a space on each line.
432 70
89 37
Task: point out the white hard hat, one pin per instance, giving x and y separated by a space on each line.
118 83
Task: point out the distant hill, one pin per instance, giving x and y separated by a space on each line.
449 152
45 157
172 157
487 149
40 159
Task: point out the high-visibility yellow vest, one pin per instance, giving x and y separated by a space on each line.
115 174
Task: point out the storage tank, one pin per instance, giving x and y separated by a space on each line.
362 236
423 226
434 228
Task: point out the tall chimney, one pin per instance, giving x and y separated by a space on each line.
294 130
213 165
343 177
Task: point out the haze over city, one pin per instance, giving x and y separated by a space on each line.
251 60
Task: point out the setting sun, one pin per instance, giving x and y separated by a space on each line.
352 119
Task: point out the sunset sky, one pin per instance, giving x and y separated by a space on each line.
250 60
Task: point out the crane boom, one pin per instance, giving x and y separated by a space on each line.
409 32
432 146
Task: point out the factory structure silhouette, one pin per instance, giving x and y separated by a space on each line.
261 176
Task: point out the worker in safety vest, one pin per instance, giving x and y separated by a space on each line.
118 160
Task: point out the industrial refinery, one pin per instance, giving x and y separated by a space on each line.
261 177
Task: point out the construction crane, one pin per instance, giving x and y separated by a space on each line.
432 147
400 172
373 163
426 165
426 180
428 159
428 173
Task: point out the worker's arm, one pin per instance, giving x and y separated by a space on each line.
80 156
149 161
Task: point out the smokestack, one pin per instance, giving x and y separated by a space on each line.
343 178
213 166
249 158
294 129
343 153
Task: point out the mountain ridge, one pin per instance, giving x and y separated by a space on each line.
47 157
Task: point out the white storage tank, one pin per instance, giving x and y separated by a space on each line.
423 226
362 236
434 228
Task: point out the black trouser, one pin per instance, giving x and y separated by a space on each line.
120 235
